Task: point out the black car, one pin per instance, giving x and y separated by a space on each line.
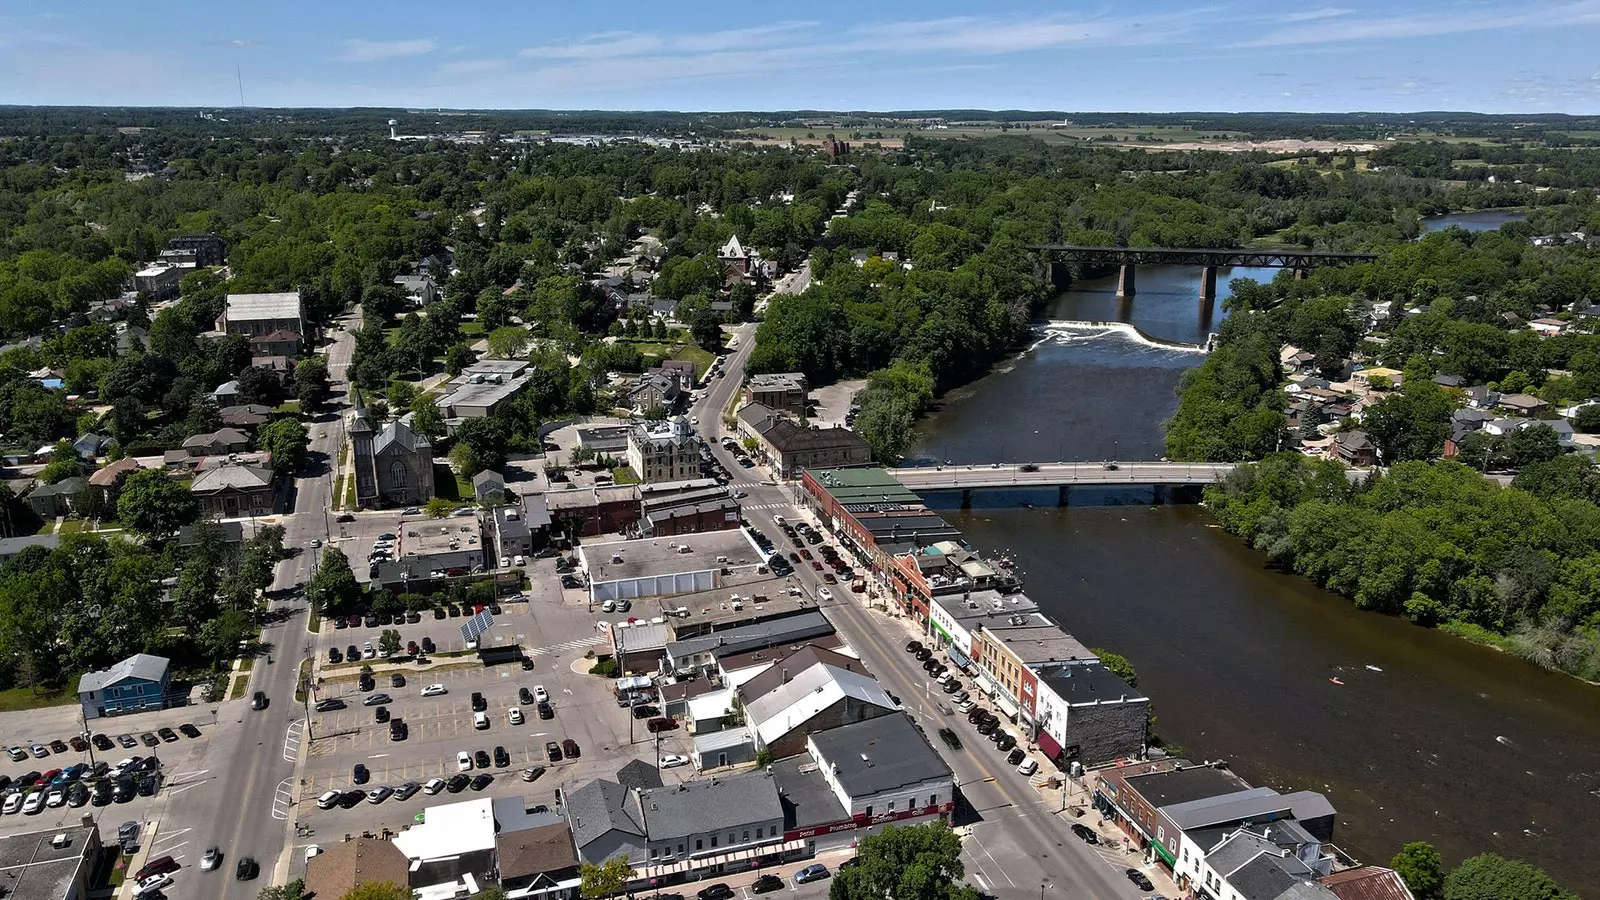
987 726
147 786
58 746
645 712
124 789
259 700
718 891
380 715
913 646
527 664
335 655
1029 467
525 695
1006 742
397 680
478 703
501 757
399 730
427 645
352 652
481 758
1015 757
376 700
350 799
569 747
360 775
101 742
167 734
329 704
1085 833
246 869
413 617
552 750
950 739
951 686
923 654
457 783
767 883
438 612
482 781
148 739
1138 879
366 683
102 794
545 711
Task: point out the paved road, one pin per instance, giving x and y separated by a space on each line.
1018 844
1052 474
241 805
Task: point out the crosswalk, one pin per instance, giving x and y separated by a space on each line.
768 505
569 645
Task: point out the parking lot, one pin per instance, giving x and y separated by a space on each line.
556 631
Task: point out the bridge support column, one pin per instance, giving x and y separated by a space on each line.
966 498
1062 495
1162 495
1125 281
1208 285
1057 275
1299 274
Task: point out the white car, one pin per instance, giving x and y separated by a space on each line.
1028 766
505 562
434 785
673 760
608 606
434 690
463 761
151 884
514 715
312 850
480 721
33 804
57 798
540 695
13 803
519 560
825 594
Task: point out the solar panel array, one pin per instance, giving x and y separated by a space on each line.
473 628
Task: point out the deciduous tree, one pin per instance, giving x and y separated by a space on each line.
154 505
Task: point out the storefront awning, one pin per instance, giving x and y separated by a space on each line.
956 656
702 862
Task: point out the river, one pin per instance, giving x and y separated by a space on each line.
1477 220
1450 743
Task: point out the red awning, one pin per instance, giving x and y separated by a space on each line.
1049 746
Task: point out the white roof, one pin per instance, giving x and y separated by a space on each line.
247 307
710 706
713 741
450 830
791 705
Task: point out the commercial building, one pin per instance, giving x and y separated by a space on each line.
159 281
202 249
60 863
1007 654
138 683
688 830
1277 861
874 516
786 391
883 766
1087 714
259 314
442 547
664 451
654 567
586 512
811 691
512 536
460 849
703 651
693 517
790 447
479 395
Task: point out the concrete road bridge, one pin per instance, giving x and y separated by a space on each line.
1169 480
1128 259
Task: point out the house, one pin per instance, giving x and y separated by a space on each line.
1259 862
459 849
1450 381
91 445
234 489
811 691
702 651
63 862
653 392
784 391
419 289
664 451
1355 448
226 393
344 865
489 487
606 821
1547 327
1523 404
107 481
586 512
262 314
64 498
138 683
512 536
229 534
1481 397
247 416
217 443
11 546
281 342
736 261
715 822
1367 883
679 370
393 468
281 366
159 281
791 448
539 862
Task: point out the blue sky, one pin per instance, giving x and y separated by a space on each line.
1138 55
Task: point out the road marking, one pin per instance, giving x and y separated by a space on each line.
282 798
164 838
173 792
291 739
377 756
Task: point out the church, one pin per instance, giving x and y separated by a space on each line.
394 466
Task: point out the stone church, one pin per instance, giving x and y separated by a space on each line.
394 467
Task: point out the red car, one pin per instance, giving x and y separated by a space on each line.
412 648
816 565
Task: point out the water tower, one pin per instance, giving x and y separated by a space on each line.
392 135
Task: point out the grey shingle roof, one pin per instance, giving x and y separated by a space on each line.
401 434
639 774
601 806
705 807
140 665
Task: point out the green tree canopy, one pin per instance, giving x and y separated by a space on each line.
286 440
605 879
334 585
1421 868
916 862
378 890
154 505
1492 877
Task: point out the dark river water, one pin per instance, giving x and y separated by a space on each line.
1450 743
1480 220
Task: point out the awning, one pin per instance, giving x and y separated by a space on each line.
1049 746
956 656
688 865
1005 704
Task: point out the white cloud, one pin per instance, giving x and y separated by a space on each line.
1432 23
362 50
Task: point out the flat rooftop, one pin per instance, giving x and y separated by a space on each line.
778 381
507 367
867 485
979 607
807 799
1087 684
745 638
31 867
714 608
486 394
878 755
440 536
621 560
1183 785
1040 640
583 498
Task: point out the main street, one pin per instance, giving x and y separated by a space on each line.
1020 845
241 801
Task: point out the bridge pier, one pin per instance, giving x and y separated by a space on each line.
1125 281
1163 495
1057 276
1299 274
1208 285
1062 495
966 498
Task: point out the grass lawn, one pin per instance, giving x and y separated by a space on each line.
290 406
240 685
20 698
624 475
73 526
472 328
702 359
247 663
300 682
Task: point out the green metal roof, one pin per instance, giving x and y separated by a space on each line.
873 485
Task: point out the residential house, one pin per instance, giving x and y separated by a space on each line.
419 289
234 489
393 467
138 683
262 314
1523 404
282 342
1355 448
791 448
1260 862
1450 381
217 443
489 487
229 534
281 366
227 393
664 451
91 445
785 391
64 498
247 416
342 866
1367 883
539 862
653 392
1547 327
1479 396
11 546
107 481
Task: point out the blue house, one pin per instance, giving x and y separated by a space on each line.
137 683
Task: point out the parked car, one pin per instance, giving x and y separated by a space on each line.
658 724
552 751
569 748
212 858
330 704
458 783
482 759
767 883
532 773
405 791
359 774
463 761
813 872
718 891
514 716
546 711
377 700
480 721
673 760
482 781
501 757
478 703
379 794
434 786
1137 877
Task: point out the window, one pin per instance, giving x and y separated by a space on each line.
891 806
700 844
869 810
397 474
654 852
933 799
759 829
747 835
713 842
680 849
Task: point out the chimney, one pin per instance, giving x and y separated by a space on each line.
785 674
